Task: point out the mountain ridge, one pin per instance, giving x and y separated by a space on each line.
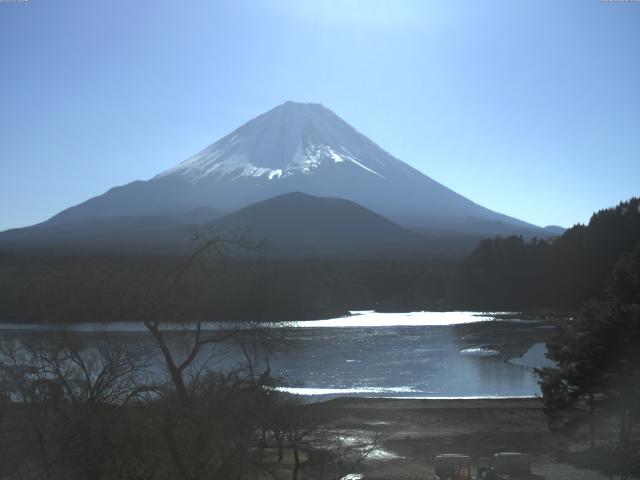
298 224
295 147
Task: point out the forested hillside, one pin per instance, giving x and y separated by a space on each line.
63 289
563 272
508 273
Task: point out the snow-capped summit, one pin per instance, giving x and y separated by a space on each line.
298 147
291 139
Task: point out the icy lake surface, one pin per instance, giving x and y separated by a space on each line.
416 354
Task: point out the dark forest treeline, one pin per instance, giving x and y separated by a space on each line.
63 289
501 274
560 273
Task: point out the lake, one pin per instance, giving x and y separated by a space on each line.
416 354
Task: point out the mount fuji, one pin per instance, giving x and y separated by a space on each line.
295 147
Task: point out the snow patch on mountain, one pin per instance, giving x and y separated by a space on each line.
300 140
217 161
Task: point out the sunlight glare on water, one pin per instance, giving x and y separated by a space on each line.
370 318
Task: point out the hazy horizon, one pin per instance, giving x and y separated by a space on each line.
536 123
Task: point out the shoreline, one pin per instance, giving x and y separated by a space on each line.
498 315
439 402
410 432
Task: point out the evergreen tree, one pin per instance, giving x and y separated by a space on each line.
598 358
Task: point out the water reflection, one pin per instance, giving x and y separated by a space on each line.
363 318
397 361
420 354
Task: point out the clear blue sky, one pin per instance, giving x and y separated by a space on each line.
531 108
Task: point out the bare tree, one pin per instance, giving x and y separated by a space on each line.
68 399
209 414
78 407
